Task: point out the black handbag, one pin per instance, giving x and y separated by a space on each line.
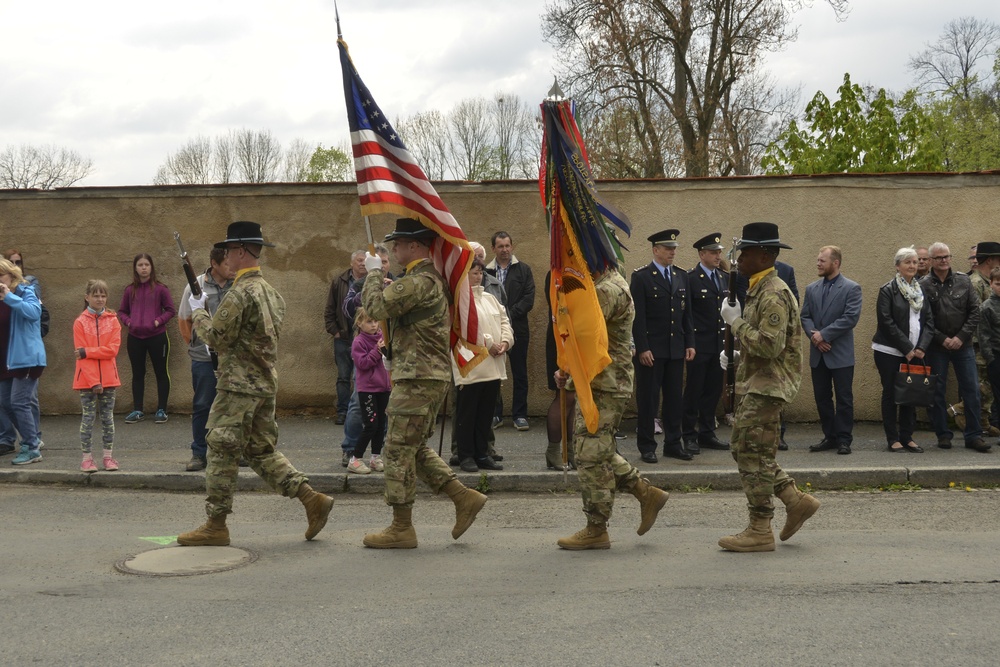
915 385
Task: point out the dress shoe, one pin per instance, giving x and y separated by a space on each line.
711 441
823 445
468 465
978 445
340 419
782 445
844 448
496 457
649 457
676 451
944 443
691 447
488 463
454 460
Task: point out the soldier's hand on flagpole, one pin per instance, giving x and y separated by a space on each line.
724 359
372 262
196 302
560 379
730 312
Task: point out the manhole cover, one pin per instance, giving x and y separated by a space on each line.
185 561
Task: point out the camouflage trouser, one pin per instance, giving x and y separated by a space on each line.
243 425
413 408
601 470
755 442
985 392
93 404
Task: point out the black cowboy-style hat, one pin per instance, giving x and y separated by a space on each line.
987 249
244 231
668 238
712 241
760 235
409 229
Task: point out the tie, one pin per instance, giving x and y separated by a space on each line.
826 293
715 279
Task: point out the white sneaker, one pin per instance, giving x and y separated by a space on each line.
358 466
376 463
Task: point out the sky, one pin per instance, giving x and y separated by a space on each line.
127 83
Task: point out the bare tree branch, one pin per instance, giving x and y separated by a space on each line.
44 167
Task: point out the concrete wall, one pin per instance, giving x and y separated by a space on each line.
69 236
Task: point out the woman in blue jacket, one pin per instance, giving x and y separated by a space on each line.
22 358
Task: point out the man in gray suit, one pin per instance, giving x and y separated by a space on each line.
830 311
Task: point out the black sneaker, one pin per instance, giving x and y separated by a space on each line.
345 460
7 449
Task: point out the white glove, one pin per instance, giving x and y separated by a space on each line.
388 364
724 358
196 302
373 262
730 313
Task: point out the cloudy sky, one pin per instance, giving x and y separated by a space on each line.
127 83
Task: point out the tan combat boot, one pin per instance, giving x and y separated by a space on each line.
798 506
594 536
651 501
399 534
212 534
553 456
467 501
757 537
317 506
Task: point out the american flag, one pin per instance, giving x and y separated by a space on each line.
391 181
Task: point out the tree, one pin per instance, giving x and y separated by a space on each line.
952 62
513 127
868 132
297 157
239 156
256 155
191 164
427 137
473 157
328 165
43 167
679 59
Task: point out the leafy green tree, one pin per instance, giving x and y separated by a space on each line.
862 131
329 165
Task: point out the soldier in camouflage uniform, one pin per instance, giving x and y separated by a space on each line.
244 332
767 378
601 470
416 307
987 257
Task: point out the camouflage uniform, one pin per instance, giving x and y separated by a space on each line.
416 306
244 331
602 471
767 378
92 405
981 286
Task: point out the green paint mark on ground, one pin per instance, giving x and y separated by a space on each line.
168 539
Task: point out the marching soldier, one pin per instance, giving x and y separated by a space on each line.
244 332
664 340
767 377
703 389
416 306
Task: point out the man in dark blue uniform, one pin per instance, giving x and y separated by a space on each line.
709 288
664 340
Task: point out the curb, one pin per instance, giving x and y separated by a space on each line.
518 482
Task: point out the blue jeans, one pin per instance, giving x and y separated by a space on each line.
19 403
8 436
203 381
345 369
964 360
352 425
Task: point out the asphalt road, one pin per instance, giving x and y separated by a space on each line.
875 579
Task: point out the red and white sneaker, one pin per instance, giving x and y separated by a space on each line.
110 463
88 464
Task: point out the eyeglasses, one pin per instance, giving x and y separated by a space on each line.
18 262
941 258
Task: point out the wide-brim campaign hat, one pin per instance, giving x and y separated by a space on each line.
668 238
244 231
409 229
988 249
760 235
711 241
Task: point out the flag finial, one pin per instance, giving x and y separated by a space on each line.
336 13
555 92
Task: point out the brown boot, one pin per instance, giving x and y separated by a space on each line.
798 507
467 501
317 506
651 501
594 536
213 533
553 456
757 537
399 534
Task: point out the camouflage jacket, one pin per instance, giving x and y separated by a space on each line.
770 341
616 304
416 307
980 286
989 329
244 331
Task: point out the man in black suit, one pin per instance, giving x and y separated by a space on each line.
709 288
664 339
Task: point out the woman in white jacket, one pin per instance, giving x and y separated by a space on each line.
477 392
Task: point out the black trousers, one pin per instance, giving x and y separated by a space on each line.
157 347
702 392
474 417
373 420
898 421
665 377
837 421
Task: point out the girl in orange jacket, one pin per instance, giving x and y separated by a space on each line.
97 335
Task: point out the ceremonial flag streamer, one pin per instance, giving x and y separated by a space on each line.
581 244
391 181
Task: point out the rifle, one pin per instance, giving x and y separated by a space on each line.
729 392
188 269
